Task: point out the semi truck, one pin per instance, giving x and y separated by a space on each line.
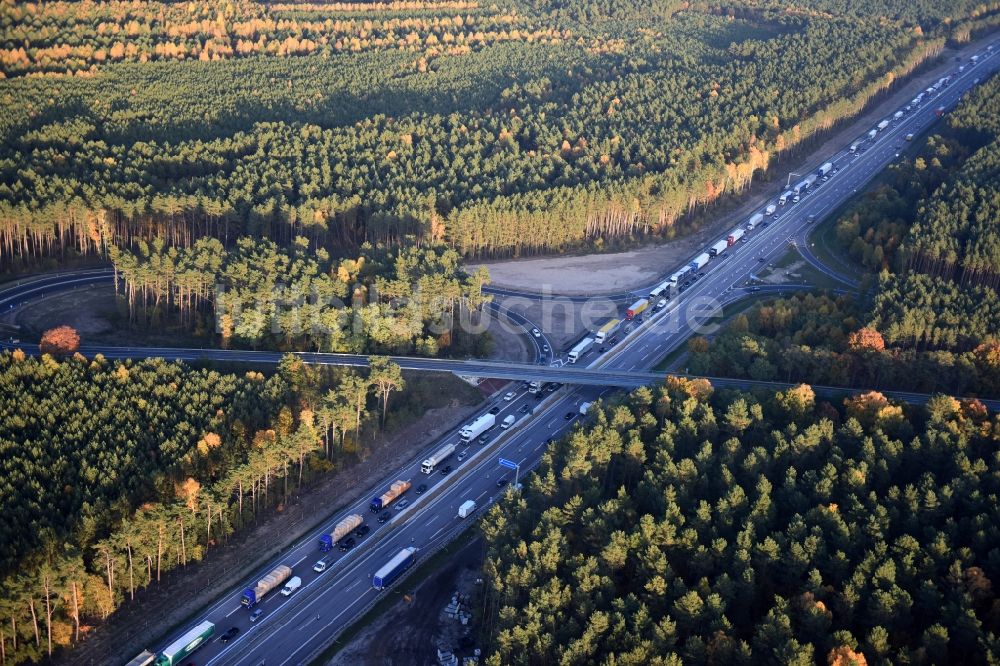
734 236
144 658
826 168
676 277
605 332
659 289
700 261
771 209
854 146
897 116
872 134
883 125
580 349
477 427
754 220
403 560
427 466
180 649
340 530
785 197
271 581
388 497
636 309
718 248
468 506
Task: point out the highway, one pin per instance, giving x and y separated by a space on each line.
293 630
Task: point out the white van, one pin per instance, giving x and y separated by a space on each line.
293 584
508 422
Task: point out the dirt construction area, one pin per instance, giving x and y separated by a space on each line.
595 274
411 631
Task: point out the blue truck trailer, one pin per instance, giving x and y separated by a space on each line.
403 560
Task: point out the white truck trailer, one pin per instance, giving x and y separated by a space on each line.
477 427
718 248
580 349
436 458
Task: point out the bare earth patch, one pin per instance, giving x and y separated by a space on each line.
90 310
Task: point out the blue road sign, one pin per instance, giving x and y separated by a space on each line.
508 464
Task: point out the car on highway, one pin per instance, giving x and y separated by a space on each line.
485 437
502 481
421 489
446 470
570 416
254 616
362 531
535 332
524 410
602 350
402 504
763 225
761 259
346 544
230 634
384 517
553 387
461 456
508 396
495 411
545 348
320 566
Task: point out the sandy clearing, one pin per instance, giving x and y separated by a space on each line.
594 274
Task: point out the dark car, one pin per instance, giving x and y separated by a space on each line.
761 259
495 411
422 488
570 416
524 409
602 350
763 225
485 437
346 544
554 386
446 470
384 517
230 634
502 482
362 531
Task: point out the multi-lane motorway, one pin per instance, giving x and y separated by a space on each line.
293 629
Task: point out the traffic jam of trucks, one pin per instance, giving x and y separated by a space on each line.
281 577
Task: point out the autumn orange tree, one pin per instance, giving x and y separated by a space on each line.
60 341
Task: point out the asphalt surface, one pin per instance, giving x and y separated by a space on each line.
294 629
